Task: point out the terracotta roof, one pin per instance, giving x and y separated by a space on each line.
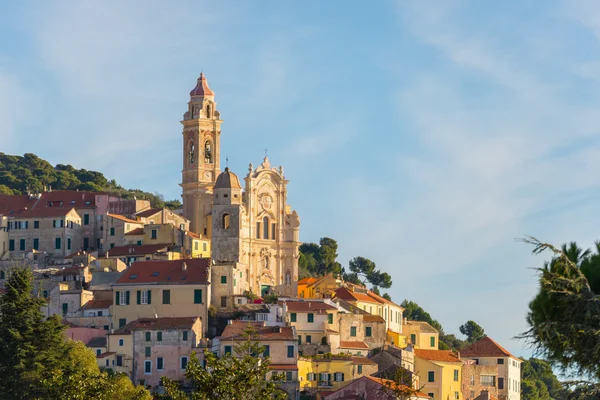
485 347
134 250
307 281
362 361
308 306
349 295
388 382
106 354
196 270
202 88
227 180
136 231
99 341
383 299
423 326
40 212
162 323
291 367
69 270
483 396
437 355
348 344
373 318
52 199
148 213
332 331
235 330
124 219
192 234
95 304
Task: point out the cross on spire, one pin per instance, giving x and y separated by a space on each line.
227 162
266 151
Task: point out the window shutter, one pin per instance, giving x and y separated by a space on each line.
127 297
139 297
342 377
117 298
149 296
328 377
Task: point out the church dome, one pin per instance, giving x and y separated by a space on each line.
202 88
227 180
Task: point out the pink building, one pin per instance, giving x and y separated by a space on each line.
369 388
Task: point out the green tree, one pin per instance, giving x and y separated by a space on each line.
539 372
240 376
365 268
472 331
400 385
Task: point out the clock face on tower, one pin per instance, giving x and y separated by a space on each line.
207 175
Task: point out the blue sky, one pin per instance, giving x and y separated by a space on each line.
423 135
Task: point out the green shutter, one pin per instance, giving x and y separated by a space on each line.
197 296
149 296
330 318
166 296
185 336
293 317
352 331
223 279
227 349
267 352
311 317
159 336
148 351
127 297
117 299
139 297
432 341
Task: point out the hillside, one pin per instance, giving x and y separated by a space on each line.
31 173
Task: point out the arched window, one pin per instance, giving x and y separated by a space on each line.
288 278
191 153
225 221
265 227
207 152
266 262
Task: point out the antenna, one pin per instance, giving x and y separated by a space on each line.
266 152
227 162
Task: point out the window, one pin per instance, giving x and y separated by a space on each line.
500 361
265 227
226 221
430 376
368 331
153 234
227 350
413 338
432 341
36 224
119 361
166 296
197 296
65 308
11 245
338 377
352 331
500 383
185 336
359 369
122 298
44 293
330 318
223 279
22 244
293 317
204 247
289 376
148 336
487 380
36 244
86 219
299 339
308 339
290 351
68 243
159 336
456 396
310 317
122 322
147 367
148 349
455 375
267 351
121 342
223 301
159 363
57 243
112 231
207 152
144 296
98 352
430 395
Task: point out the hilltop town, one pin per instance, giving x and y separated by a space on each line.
145 287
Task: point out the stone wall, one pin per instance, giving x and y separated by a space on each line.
471 380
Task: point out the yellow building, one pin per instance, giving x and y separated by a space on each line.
302 285
440 373
332 372
176 288
317 288
421 335
119 354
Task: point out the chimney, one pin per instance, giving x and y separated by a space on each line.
183 266
458 354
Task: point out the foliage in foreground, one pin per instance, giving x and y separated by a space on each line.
37 362
232 377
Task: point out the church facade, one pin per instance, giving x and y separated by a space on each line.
253 230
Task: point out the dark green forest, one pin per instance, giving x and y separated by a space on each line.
20 174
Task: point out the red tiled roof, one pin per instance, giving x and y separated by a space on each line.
235 330
373 318
95 304
291 367
308 306
349 295
40 212
307 281
437 355
197 270
362 360
353 345
202 88
52 199
192 234
148 213
390 383
382 299
133 250
106 354
162 323
485 347
124 219
136 231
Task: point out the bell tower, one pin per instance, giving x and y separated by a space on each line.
201 157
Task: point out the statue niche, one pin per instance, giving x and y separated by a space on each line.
208 152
